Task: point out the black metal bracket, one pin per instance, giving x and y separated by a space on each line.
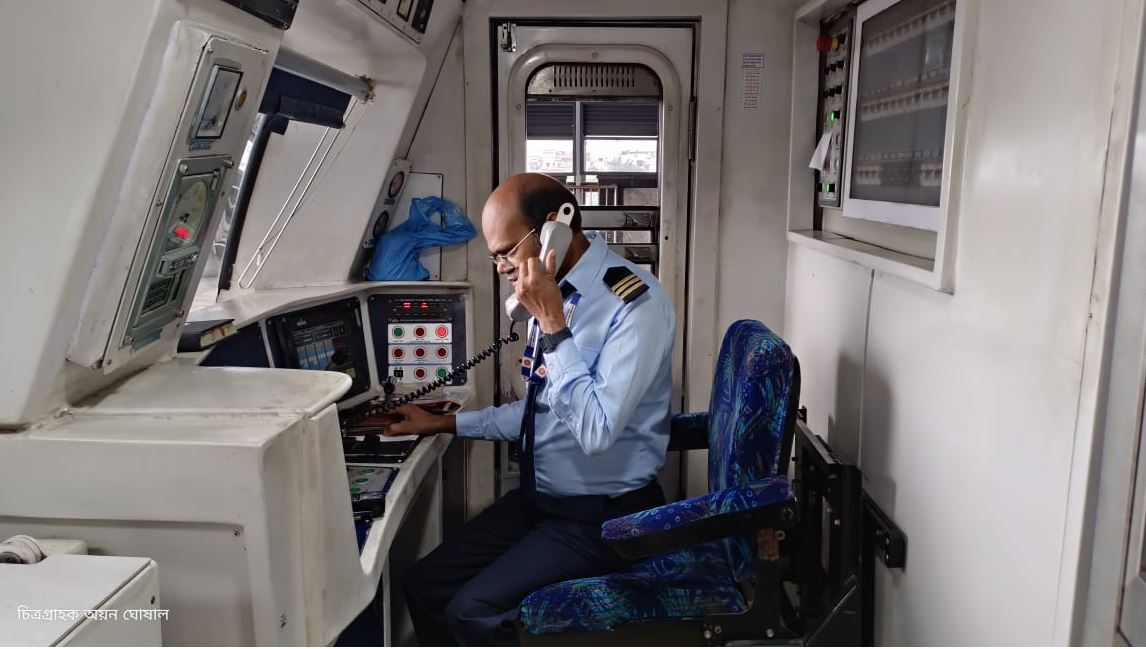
890 541
881 538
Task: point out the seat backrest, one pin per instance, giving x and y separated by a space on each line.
751 419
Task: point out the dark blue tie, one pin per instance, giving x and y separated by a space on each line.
525 442
526 436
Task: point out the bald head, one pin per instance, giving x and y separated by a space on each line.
529 200
521 204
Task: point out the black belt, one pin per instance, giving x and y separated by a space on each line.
598 509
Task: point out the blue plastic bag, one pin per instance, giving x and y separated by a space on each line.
396 255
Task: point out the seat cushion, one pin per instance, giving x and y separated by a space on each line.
686 583
735 500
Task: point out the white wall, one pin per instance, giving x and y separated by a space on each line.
754 182
752 250
439 147
961 409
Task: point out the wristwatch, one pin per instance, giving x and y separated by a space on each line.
549 342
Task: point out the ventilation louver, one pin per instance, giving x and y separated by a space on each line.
594 80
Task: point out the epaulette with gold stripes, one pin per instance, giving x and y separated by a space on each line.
624 283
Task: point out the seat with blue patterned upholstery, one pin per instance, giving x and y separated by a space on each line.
748 430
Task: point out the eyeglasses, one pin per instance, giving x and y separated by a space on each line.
498 260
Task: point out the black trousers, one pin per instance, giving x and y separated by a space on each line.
468 590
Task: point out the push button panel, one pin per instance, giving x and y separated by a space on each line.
418 338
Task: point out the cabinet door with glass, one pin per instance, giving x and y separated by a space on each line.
905 74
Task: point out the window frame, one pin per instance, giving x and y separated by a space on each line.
579 138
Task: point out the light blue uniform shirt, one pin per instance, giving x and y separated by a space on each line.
602 417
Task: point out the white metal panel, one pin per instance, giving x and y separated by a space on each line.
139 594
58 202
1107 466
175 388
215 501
163 141
73 582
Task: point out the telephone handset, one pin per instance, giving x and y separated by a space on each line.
555 235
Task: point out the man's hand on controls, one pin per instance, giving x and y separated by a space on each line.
536 289
416 421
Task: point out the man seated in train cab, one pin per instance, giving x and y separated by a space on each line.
593 438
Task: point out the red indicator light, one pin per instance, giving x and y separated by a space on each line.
405 305
419 331
442 331
182 232
420 352
425 306
420 373
442 352
827 43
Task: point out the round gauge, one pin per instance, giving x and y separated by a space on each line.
396 184
190 211
381 224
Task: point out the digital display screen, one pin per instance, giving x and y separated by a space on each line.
217 104
327 338
324 347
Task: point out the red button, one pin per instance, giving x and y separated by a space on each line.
420 373
420 352
419 331
398 352
442 351
442 331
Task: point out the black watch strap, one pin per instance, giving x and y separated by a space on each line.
549 342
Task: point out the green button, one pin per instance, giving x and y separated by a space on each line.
442 372
354 490
361 480
399 332
367 471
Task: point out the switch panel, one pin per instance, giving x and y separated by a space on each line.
418 338
835 47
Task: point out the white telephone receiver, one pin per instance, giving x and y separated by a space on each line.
555 235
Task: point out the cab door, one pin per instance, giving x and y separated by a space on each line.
606 109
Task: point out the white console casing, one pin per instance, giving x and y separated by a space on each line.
87 599
231 479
